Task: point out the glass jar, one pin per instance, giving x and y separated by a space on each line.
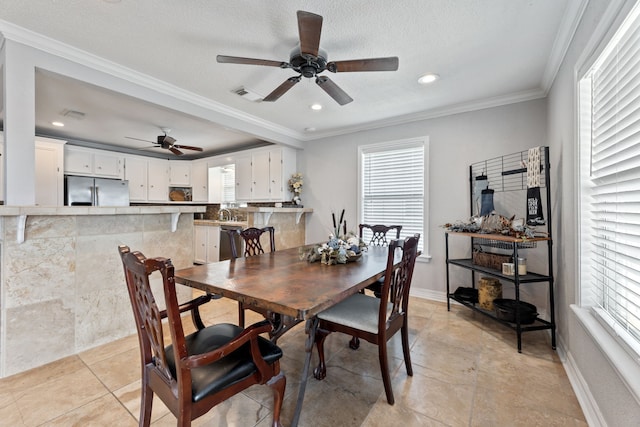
522 266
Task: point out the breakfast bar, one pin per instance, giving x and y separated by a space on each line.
61 280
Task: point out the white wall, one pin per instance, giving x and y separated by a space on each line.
602 393
330 169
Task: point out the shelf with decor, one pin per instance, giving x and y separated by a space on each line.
508 245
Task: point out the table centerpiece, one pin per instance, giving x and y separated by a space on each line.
338 249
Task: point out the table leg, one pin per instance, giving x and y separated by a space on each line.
311 327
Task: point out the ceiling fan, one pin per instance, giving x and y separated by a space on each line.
168 143
309 60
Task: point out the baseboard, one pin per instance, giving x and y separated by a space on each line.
429 294
580 387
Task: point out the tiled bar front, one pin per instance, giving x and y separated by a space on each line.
61 281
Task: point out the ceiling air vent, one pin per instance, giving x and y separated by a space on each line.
248 94
73 114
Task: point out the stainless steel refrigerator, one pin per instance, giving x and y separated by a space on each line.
87 191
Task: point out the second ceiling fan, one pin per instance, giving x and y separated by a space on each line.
309 60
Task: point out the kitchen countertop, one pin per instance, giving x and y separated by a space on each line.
215 222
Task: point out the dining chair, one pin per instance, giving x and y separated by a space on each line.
192 374
373 319
252 246
378 238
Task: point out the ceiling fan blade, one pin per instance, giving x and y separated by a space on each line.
333 90
187 147
309 29
370 64
282 89
139 139
250 61
175 151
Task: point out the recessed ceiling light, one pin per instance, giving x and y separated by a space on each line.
316 107
59 124
428 78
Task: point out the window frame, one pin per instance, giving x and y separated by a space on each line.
600 47
389 146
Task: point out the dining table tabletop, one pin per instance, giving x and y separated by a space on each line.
284 283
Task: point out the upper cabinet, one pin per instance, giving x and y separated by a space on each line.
49 163
180 173
90 162
243 177
148 179
262 175
199 180
158 180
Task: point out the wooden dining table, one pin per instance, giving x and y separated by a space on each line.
289 287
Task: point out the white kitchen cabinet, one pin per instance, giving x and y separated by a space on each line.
49 177
269 171
180 173
158 180
136 168
199 181
90 162
108 165
261 181
243 177
205 240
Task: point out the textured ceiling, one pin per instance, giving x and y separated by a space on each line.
487 52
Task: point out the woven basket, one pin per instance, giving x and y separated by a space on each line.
490 260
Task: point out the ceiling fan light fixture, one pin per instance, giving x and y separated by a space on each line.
427 78
316 107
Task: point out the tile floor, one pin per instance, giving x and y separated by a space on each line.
467 372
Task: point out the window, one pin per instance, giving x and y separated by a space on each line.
610 184
393 179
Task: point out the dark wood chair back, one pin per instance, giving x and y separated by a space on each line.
252 246
251 237
192 374
358 314
379 231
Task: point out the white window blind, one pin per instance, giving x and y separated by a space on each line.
393 187
610 142
229 183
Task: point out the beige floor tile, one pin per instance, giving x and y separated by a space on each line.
49 400
236 411
20 383
105 411
118 370
425 392
95 355
129 397
10 416
467 372
383 414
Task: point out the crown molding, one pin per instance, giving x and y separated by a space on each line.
435 113
54 47
568 27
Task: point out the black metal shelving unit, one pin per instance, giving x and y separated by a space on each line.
508 173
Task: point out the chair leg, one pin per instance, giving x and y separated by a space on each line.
384 368
354 344
321 370
146 398
240 315
404 331
277 384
